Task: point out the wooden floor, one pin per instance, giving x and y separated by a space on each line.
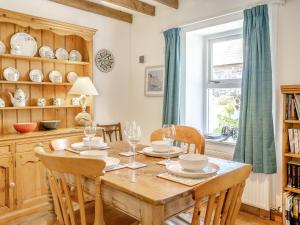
243 219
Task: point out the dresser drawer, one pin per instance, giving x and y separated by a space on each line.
25 146
5 149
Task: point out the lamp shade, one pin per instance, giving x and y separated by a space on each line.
83 86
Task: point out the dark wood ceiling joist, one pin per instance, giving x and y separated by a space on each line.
135 5
96 8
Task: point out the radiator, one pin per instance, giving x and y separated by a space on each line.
258 190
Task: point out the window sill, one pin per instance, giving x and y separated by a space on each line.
220 142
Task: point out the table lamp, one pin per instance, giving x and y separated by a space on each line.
83 86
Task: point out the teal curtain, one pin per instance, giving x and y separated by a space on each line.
255 144
171 106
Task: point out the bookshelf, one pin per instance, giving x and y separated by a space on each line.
287 156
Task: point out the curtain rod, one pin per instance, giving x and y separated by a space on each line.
231 12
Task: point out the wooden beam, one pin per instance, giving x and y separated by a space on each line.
172 3
96 8
135 5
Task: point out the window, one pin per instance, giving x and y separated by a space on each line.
223 73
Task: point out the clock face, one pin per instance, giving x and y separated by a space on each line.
104 60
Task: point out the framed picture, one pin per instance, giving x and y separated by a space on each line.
154 81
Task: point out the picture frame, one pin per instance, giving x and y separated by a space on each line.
154 81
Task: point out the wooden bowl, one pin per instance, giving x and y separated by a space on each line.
24 127
50 124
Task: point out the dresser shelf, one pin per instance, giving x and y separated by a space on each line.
292 155
41 107
291 189
34 58
34 83
292 121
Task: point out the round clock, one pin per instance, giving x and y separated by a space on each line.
104 60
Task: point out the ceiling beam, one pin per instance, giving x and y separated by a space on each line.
96 8
135 5
171 3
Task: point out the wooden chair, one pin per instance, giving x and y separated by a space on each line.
184 134
224 194
109 130
98 214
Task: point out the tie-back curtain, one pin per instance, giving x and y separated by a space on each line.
171 104
255 144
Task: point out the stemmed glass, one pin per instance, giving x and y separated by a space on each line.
90 132
134 134
126 130
169 136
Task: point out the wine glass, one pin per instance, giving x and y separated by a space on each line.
134 134
169 136
126 130
90 132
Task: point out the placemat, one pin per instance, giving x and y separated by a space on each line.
118 167
128 154
182 180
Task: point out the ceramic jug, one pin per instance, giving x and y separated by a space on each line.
19 98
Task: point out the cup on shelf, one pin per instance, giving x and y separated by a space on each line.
41 102
58 101
2 103
75 101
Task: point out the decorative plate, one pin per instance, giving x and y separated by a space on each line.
36 75
23 44
176 151
62 54
55 76
11 74
104 60
75 55
176 169
46 52
72 77
2 47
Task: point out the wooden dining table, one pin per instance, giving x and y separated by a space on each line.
150 199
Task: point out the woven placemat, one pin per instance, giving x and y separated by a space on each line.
182 180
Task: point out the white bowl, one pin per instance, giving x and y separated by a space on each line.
96 141
193 162
159 146
60 144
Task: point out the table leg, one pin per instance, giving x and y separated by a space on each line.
152 214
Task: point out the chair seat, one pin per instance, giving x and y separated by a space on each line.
111 215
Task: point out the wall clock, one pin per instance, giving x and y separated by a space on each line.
104 60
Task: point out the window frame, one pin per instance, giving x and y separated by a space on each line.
207 59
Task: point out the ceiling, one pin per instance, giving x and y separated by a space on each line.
123 10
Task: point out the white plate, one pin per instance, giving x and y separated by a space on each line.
46 52
79 146
11 74
23 44
62 54
111 163
176 169
174 152
55 76
72 77
75 55
36 75
2 47
101 154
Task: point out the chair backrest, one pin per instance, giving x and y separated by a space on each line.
57 169
184 134
111 130
224 194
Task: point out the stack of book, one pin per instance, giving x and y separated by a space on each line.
293 174
294 140
292 107
292 209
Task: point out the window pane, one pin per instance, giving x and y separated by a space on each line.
227 59
223 108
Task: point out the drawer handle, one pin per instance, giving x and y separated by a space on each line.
12 184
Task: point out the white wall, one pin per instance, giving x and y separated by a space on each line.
112 104
147 39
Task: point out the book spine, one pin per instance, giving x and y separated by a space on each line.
293 175
291 140
296 141
289 175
